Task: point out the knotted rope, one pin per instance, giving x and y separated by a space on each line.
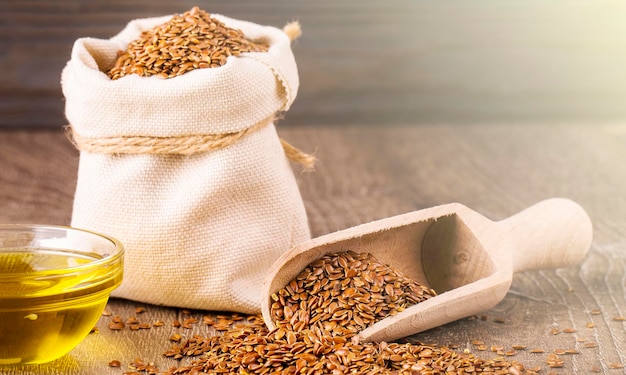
179 145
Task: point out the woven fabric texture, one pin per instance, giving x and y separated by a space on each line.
200 230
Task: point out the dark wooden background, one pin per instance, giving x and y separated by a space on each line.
393 61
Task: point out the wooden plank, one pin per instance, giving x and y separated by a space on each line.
367 61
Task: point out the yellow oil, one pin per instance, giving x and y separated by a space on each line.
43 318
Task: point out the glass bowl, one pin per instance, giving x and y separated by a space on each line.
54 284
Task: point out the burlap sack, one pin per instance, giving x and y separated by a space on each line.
187 172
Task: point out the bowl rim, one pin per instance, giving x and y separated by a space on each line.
115 256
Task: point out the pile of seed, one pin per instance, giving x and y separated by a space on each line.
344 293
249 334
318 316
189 41
248 348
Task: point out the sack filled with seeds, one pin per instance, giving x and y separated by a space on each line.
174 118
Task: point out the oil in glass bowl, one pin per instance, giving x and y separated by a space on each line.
51 297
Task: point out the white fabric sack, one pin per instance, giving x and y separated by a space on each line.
200 229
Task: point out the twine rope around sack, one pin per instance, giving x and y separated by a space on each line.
181 145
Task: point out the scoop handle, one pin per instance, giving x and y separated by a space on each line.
553 233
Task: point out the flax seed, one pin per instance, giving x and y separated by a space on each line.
116 326
339 288
175 337
247 347
318 334
193 40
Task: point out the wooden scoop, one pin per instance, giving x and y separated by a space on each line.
466 258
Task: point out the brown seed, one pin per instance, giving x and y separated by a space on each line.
249 358
193 40
175 337
115 363
116 326
291 338
250 348
245 345
188 322
558 364
341 296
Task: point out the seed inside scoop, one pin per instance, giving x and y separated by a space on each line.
186 42
343 293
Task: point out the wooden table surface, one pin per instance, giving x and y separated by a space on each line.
390 140
372 172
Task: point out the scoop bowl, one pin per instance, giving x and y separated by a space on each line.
466 258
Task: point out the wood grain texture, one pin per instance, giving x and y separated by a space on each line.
36 186
366 61
372 172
